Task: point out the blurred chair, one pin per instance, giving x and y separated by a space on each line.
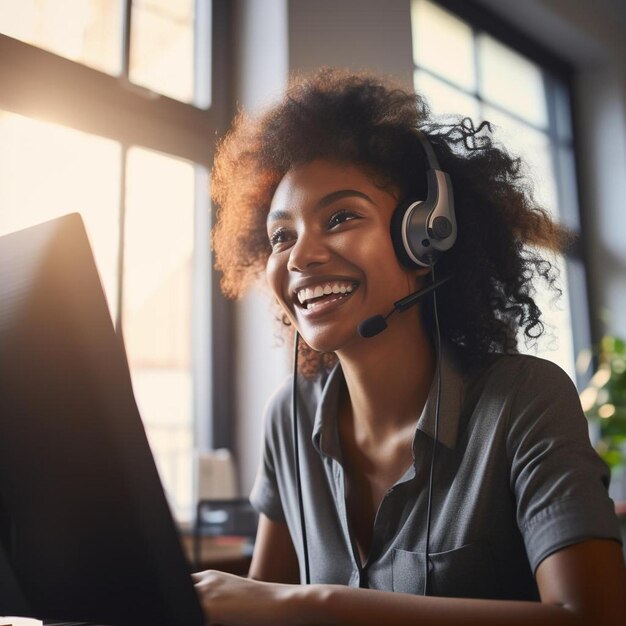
229 525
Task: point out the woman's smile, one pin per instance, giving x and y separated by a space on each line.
308 296
320 300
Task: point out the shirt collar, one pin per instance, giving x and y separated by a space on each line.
325 433
452 393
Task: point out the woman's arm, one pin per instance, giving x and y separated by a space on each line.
274 559
583 584
588 579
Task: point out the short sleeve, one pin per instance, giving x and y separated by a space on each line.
559 481
265 494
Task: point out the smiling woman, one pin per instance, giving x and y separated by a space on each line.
347 196
355 120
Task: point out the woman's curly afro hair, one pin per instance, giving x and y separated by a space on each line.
364 120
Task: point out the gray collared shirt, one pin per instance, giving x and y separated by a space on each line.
515 479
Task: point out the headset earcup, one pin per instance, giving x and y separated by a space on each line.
396 234
397 239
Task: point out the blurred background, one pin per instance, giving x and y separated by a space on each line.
112 108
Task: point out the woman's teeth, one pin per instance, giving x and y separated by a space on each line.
311 293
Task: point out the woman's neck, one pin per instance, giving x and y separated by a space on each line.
388 378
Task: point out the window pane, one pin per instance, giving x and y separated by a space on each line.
87 31
47 171
563 113
511 81
557 343
158 255
162 46
535 149
444 99
443 44
569 211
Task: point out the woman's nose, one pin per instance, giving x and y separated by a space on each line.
308 251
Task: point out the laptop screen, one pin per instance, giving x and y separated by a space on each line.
85 529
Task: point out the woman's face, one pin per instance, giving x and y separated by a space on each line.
332 263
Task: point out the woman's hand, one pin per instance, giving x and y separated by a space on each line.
230 600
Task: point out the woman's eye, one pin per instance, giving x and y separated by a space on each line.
279 236
340 217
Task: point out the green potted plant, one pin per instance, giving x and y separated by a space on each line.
604 403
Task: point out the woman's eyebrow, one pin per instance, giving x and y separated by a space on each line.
339 195
323 202
274 216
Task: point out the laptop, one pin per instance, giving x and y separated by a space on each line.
86 533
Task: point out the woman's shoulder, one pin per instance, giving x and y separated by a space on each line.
522 385
515 371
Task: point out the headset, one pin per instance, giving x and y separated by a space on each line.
421 231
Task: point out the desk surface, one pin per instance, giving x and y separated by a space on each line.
227 554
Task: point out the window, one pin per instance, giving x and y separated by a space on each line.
48 170
163 36
156 316
106 110
86 31
464 69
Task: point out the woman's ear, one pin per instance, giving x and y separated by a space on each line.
420 274
422 271
416 277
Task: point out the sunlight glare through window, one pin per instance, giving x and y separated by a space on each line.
445 99
161 51
443 44
47 171
511 81
158 259
86 31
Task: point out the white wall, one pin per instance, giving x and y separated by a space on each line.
601 129
260 364
356 34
